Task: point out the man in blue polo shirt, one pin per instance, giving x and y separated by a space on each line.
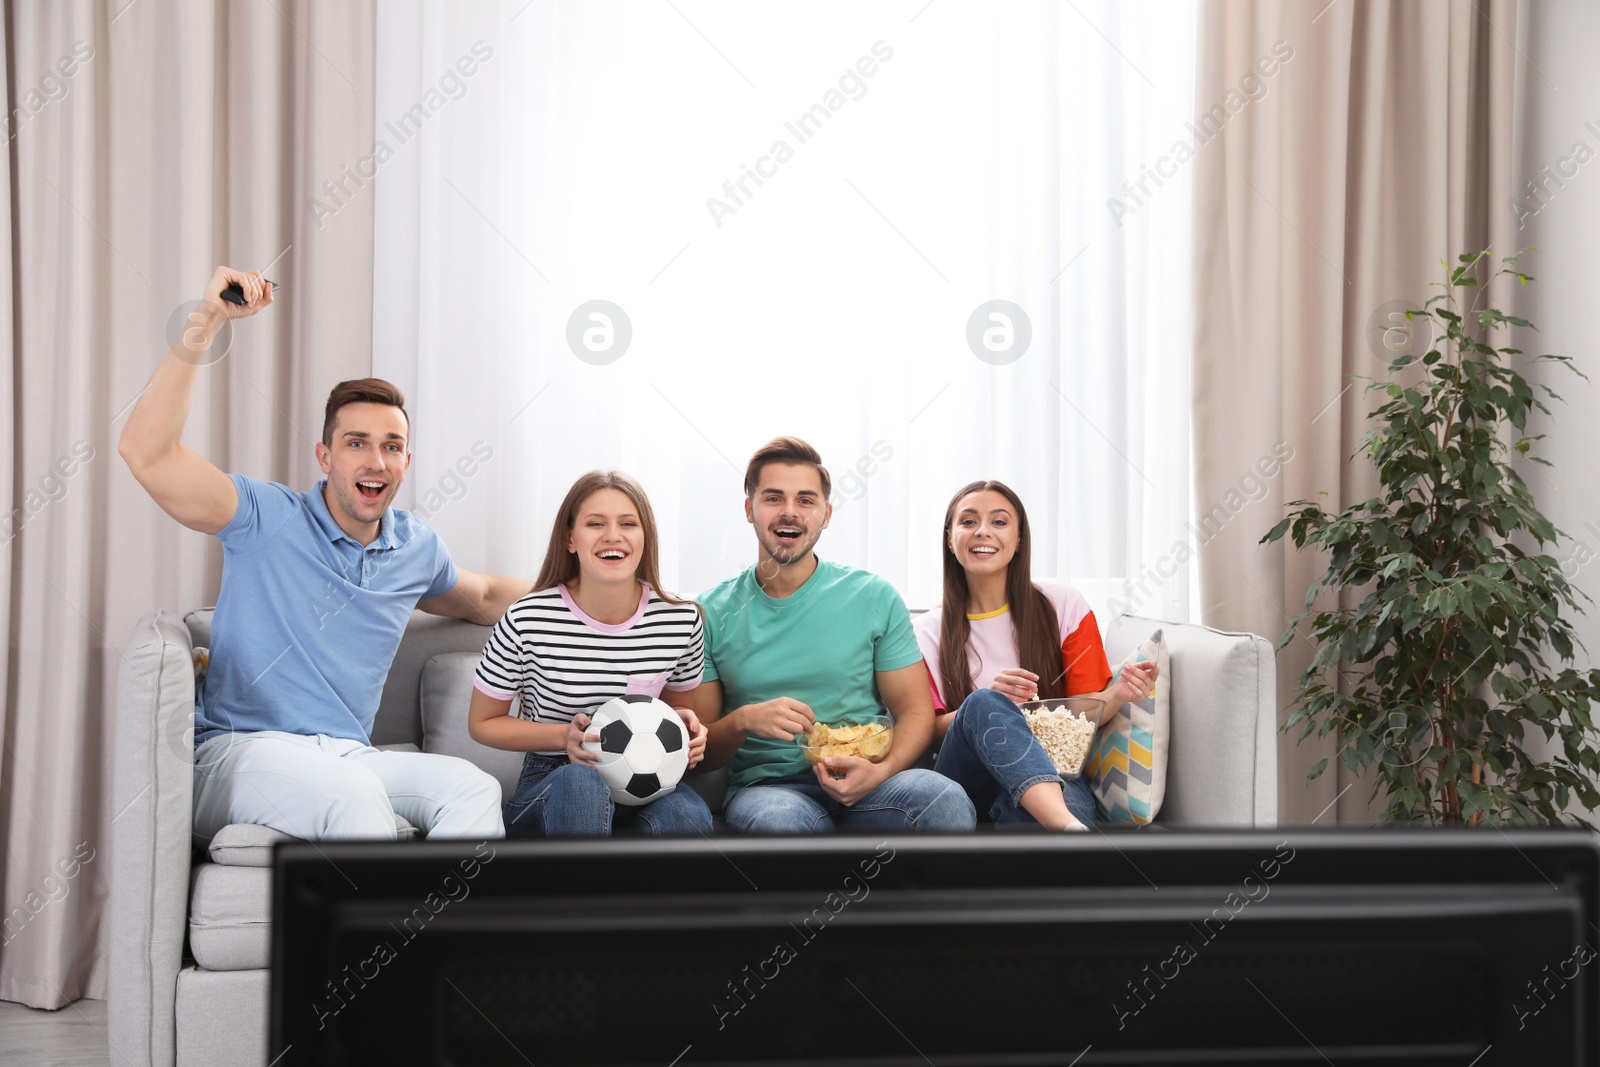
317 588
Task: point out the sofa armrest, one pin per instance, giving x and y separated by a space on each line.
1222 764
151 838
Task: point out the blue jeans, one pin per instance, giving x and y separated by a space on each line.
557 798
911 800
991 752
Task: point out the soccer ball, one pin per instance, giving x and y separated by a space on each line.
643 746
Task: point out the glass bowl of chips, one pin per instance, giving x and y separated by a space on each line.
867 739
1065 727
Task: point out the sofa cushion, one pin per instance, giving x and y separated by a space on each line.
426 636
245 845
222 1018
1128 758
248 845
713 788
446 691
199 623
230 916
1222 762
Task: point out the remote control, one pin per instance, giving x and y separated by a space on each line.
234 293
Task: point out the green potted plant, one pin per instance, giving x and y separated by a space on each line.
1436 678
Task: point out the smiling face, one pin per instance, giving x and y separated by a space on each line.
788 511
365 465
607 537
984 532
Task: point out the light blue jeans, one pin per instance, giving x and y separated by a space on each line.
992 753
911 800
323 788
558 798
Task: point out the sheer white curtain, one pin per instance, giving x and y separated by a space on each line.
798 210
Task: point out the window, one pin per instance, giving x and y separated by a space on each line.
942 244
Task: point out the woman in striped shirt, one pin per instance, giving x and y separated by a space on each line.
596 625
999 639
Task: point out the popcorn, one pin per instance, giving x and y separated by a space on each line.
1066 736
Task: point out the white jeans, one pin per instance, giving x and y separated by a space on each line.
323 788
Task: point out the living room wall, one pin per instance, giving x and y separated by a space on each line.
1558 209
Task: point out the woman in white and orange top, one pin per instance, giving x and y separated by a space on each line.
999 639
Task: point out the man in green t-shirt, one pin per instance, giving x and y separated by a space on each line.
795 640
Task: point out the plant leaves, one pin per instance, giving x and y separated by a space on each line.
1441 600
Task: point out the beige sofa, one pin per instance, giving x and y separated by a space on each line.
190 929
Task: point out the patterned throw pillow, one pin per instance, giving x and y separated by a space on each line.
1128 762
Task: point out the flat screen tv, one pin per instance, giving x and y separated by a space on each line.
1457 949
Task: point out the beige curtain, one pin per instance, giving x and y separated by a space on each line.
151 140
1328 193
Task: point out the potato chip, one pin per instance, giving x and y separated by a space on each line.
869 741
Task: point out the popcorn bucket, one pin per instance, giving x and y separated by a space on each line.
1065 726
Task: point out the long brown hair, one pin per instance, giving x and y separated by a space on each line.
1033 617
561 567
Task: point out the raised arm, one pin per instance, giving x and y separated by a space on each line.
188 486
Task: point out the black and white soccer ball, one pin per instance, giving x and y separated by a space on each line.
643 746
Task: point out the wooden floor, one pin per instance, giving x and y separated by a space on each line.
75 1036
